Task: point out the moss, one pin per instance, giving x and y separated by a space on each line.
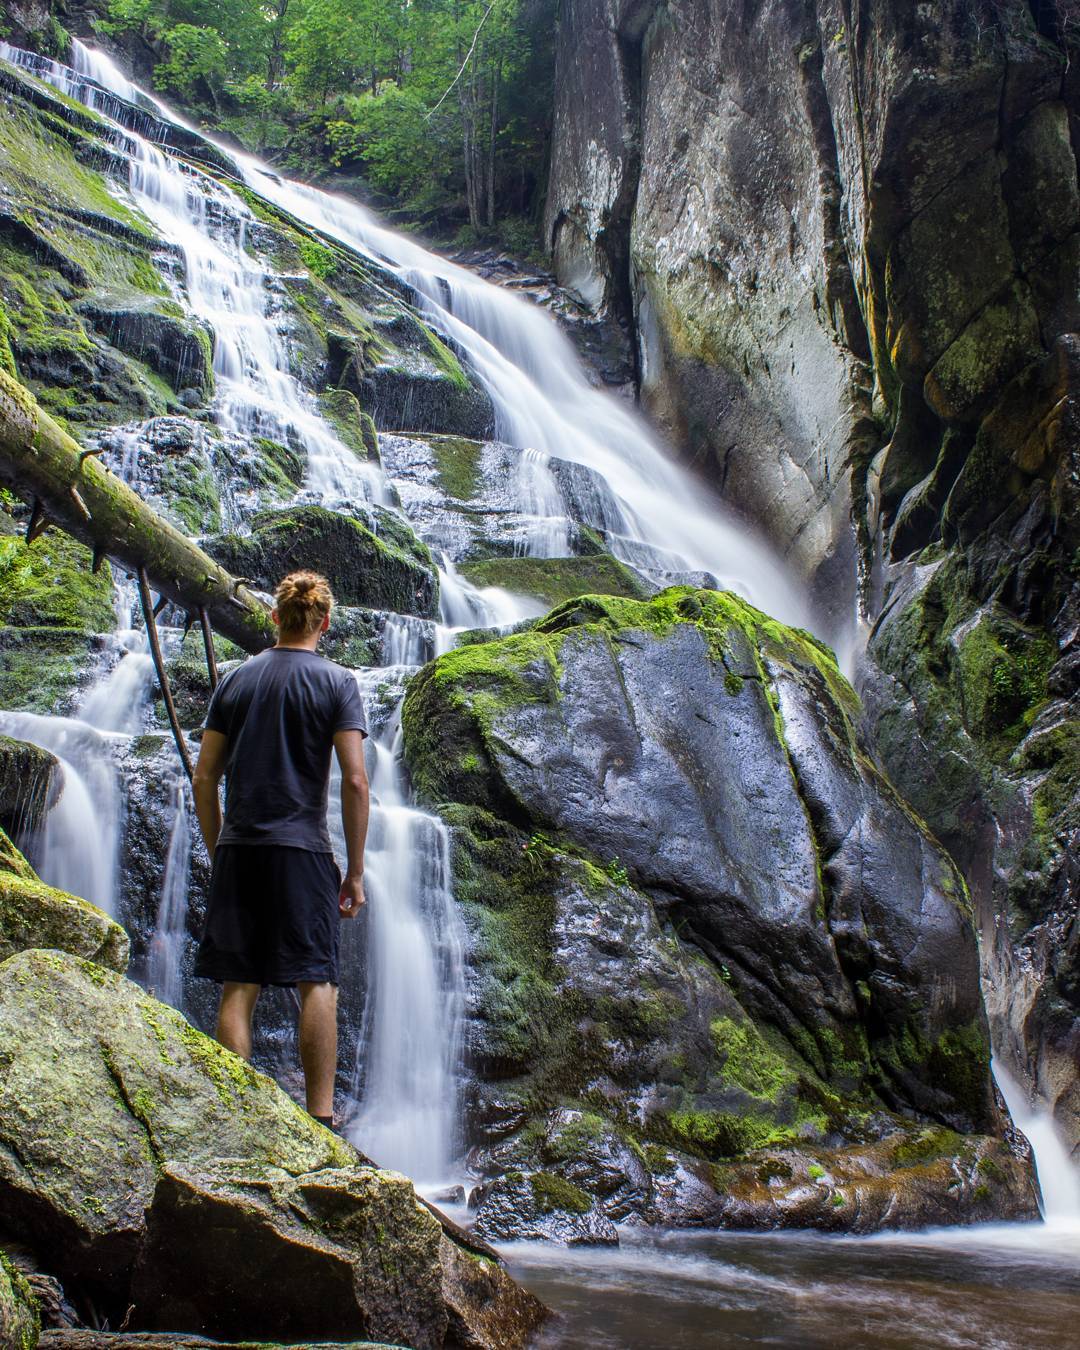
552 1192
20 1318
926 1145
445 359
556 580
748 1060
958 1062
1002 671
40 668
815 1172
720 1134
39 166
457 465
49 583
356 430
317 258
230 1075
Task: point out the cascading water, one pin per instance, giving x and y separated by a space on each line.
1059 1176
650 511
79 845
163 973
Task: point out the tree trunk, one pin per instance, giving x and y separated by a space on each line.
496 76
41 463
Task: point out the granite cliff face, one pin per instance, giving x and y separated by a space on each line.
843 242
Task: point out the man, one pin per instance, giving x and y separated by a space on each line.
275 892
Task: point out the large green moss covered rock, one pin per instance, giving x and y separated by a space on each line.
383 566
687 881
20 1321
35 915
49 583
115 1114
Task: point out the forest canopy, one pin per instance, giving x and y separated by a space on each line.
442 106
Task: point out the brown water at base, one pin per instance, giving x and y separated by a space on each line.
1010 1287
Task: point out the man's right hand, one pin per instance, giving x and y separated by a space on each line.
351 896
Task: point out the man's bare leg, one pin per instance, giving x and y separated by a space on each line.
233 1028
318 1045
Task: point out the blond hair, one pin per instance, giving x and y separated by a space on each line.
302 601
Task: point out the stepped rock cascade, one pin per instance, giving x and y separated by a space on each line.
650 938
842 242
407 1047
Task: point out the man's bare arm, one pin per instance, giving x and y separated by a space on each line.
349 746
204 786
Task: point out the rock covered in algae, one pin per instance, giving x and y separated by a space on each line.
115 1115
246 1250
20 1322
703 923
35 915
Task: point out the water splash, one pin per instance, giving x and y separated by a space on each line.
1059 1177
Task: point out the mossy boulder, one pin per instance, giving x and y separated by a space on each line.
20 1320
115 1116
742 816
352 424
41 668
353 1251
555 580
411 380
379 563
35 915
52 609
174 347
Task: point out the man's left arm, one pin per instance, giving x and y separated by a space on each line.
204 785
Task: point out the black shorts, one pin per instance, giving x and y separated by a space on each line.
272 916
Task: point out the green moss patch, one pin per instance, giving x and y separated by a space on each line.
49 583
556 580
457 465
552 1192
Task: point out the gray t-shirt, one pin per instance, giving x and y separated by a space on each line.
280 711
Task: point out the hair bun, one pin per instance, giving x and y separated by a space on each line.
302 601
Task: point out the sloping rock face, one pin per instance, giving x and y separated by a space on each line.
846 240
115 1115
703 921
35 915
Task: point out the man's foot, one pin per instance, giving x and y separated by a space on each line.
328 1121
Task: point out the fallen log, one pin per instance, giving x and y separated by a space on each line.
64 486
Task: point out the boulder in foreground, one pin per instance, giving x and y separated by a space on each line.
115 1116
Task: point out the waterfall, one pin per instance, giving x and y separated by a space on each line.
1059 1176
163 976
650 511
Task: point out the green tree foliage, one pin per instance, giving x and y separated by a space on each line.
441 105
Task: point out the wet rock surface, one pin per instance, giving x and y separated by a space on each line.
35 915
706 981
845 246
376 561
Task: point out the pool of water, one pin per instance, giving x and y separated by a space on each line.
1006 1286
